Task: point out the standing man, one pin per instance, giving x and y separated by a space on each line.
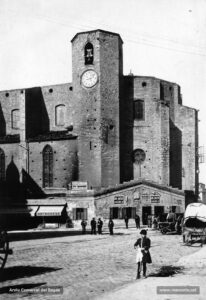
126 221
93 226
84 224
137 221
143 258
99 226
111 225
149 221
171 216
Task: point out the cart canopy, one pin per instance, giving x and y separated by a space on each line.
195 215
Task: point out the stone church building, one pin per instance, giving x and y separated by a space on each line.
105 144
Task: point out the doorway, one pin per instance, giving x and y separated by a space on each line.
158 210
130 212
146 211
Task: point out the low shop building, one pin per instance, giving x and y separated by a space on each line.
49 212
141 197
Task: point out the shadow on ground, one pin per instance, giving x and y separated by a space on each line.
32 235
13 289
16 272
166 271
116 234
43 234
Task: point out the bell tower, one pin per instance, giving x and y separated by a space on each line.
97 71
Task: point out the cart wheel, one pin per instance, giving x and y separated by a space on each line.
4 249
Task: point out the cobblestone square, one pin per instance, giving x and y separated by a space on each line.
85 266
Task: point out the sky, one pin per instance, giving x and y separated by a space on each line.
162 38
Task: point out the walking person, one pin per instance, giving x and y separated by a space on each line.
143 255
111 226
83 224
99 226
137 221
93 226
126 219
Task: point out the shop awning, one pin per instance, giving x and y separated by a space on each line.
50 211
32 210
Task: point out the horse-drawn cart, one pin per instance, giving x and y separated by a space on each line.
194 224
4 248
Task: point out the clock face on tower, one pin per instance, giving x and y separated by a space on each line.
89 78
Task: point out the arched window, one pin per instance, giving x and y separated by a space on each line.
15 119
88 54
47 166
139 110
60 115
2 165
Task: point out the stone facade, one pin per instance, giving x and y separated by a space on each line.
106 130
140 197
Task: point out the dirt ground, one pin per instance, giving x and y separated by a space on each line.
88 266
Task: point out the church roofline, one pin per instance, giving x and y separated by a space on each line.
37 86
10 139
100 30
53 136
152 77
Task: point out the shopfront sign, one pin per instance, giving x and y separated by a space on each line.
155 198
79 185
179 202
136 196
145 197
119 199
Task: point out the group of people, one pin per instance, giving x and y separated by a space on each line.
137 221
97 226
142 245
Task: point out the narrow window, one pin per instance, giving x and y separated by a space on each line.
89 54
162 93
15 119
139 110
2 165
60 115
47 166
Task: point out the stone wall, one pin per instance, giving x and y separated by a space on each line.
9 101
97 108
140 196
86 202
151 134
187 122
65 164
